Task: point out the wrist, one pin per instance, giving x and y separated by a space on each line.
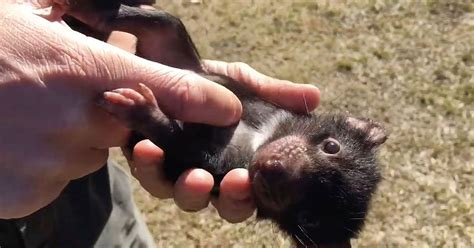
21 198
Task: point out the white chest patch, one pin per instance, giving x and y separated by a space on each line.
267 129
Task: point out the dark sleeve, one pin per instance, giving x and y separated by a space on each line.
75 219
96 210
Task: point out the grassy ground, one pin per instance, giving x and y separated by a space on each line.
408 64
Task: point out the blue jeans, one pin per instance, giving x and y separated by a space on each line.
94 211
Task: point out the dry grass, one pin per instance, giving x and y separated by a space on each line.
409 64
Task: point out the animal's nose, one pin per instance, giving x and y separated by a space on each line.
270 185
273 172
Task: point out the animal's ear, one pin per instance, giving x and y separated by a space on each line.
376 133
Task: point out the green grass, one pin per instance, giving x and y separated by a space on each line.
408 64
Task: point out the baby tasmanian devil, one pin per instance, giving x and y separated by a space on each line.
312 174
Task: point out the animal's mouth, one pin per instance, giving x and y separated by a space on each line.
275 173
269 189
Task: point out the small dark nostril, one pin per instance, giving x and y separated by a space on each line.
271 184
276 164
274 172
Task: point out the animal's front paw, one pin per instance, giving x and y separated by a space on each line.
128 104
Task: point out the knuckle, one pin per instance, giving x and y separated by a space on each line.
246 75
237 69
240 65
181 91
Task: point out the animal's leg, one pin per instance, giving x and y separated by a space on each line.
162 37
140 111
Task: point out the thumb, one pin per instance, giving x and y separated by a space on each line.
185 95
81 62
181 94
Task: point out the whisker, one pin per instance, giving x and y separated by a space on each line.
306 234
352 231
305 104
358 213
300 240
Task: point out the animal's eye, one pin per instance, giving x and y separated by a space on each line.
331 147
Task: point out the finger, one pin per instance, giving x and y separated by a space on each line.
146 167
235 202
181 94
189 97
147 7
126 41
192 190
296 97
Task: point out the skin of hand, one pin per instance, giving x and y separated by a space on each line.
52 132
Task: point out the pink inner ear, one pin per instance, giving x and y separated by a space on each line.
357 123
377 135
375 132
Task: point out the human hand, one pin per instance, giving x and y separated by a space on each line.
192 190
51 132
